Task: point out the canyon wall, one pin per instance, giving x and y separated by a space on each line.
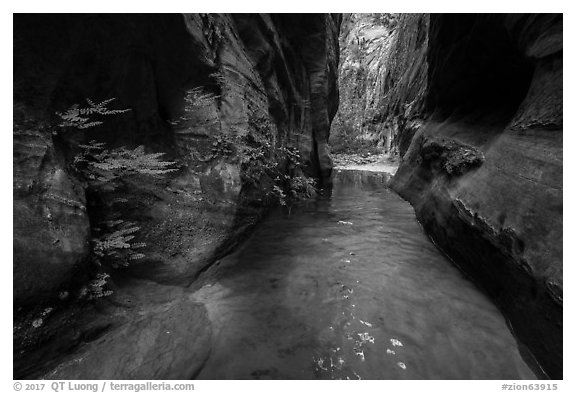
365 41
478 100
221 95
382 78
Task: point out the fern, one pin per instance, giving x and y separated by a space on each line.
95 288
287 183
115 245
197 109
77 117
104 170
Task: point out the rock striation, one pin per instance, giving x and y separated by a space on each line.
365 42
478 101
51 227
382 76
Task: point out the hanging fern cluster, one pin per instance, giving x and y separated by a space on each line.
77 117
288 184
198 109
105 171
116 243
105 168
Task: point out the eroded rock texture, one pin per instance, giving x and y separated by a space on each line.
377 52
270 82
50 219
482 157
365 41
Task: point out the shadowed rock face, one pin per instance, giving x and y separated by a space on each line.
276 80
482 160
51 228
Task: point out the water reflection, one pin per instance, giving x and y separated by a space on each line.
348 287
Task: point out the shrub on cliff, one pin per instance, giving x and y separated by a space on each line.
283 184
293 185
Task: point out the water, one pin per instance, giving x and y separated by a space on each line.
349 287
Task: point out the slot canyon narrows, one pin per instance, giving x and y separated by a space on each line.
288 196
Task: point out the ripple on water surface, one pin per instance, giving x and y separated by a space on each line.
349 287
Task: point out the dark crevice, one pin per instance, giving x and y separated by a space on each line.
475 68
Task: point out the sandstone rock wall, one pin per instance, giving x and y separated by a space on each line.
273 83
382 75
365 41
482 158
51 228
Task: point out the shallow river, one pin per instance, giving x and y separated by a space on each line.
349 287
